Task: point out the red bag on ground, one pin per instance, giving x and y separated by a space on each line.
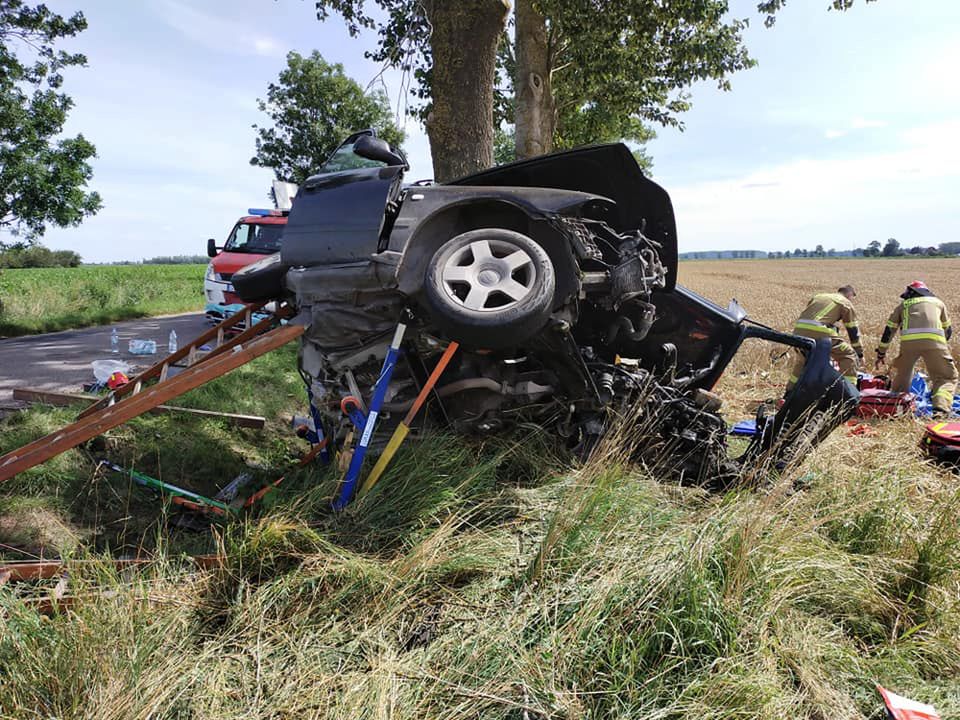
885 403
865 381
941 441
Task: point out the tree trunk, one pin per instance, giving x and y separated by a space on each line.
463 42
535 113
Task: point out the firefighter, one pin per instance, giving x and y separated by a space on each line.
924 331
819 320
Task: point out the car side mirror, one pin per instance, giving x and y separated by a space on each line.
212 247
372 148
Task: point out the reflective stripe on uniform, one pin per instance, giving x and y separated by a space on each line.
814 326
923 334
907 304
914 331
944 392
823 313
922 298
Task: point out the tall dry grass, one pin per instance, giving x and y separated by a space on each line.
598 592
498 580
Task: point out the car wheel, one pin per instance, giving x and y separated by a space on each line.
490 288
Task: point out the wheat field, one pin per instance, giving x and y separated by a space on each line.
774 292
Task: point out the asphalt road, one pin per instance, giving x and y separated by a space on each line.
61 361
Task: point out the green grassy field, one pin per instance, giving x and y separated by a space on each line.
50 299
489 578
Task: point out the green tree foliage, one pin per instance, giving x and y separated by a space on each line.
950 248
619 65
771 7
43 175
873 249
891 248
37 256
313 106
613 72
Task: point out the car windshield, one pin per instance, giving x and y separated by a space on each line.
344 158
257 239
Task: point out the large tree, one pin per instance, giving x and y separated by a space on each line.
628 62
313 106
604 74
449 47
43 175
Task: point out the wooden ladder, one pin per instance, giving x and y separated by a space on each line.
136 397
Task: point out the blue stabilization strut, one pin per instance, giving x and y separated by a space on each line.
379 393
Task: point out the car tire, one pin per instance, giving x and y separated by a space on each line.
490 288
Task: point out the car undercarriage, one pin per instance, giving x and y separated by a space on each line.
557 276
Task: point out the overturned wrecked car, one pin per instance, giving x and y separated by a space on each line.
558 277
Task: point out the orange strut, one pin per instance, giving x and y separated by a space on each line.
305 460
431 381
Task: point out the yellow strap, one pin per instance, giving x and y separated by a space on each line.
399 435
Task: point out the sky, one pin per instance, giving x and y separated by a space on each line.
847 131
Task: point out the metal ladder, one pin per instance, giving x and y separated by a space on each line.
137 397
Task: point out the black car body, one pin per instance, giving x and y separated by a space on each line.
557 275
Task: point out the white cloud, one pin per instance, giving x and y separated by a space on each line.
844 197
859 123
215 33
265 46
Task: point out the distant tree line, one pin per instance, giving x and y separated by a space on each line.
177 260
37 256
891 248
723 255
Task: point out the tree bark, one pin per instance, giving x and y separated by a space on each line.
535 112
463 43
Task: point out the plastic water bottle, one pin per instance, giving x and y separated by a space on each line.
172 342
114 341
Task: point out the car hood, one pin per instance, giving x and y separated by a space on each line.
606 170
227 263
